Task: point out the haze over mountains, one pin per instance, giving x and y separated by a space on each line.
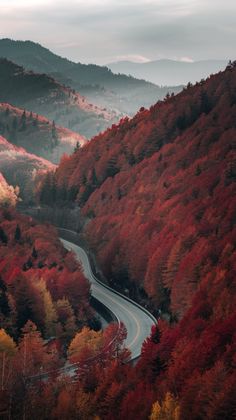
42 94
123 93
37 134
169 72
21 168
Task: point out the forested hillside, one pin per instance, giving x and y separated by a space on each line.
22 169
36 134
37 273
46 322
160 191
43 95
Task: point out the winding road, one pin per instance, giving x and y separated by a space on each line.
137 320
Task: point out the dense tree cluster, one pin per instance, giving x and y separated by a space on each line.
35 384
44 318
39 280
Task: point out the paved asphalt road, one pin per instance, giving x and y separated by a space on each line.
138 322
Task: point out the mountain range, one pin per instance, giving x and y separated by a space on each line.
169 72
42 94
122 93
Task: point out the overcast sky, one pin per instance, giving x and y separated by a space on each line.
102 31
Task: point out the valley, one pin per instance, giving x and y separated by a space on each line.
117 201
138 322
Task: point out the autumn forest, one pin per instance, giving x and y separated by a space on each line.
117 215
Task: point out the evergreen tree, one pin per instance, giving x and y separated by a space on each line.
46 193
22 293
94 178
14 123
198 170
34 253
23 121
35 121
3 236
54 133
17 233
4 305
77 147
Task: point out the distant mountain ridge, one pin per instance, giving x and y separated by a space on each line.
42 94
102 87
166 72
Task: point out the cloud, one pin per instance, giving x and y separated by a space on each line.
103 30
186 59
135 58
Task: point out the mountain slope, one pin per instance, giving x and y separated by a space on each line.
169 72
43 95
8 195
159 199
97 83
21 168
37 134
31 256
159 190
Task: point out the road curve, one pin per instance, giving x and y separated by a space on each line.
138 321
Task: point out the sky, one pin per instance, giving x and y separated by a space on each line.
104 31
